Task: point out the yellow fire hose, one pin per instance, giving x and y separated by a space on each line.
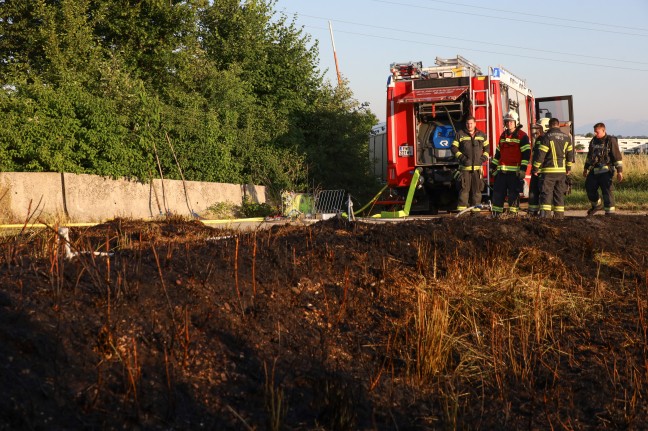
374 199
43 225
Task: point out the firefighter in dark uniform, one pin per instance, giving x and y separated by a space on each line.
603 157
552 161
470 147
509 165
534 190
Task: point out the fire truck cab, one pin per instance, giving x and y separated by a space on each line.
426 106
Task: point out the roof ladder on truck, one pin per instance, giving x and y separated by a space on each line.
478 96
459 63
462 66
482 99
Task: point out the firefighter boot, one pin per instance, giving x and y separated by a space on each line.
559 214
545 214
596 206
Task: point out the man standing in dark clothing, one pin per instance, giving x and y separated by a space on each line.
509 165
534 190
603 157
552 161
470 147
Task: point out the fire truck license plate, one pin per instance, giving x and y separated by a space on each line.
405 151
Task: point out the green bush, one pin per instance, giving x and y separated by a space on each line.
222 210
219 91
254 209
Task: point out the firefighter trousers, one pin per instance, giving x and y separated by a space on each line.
604 181
470 189
552 192
534 194
507 185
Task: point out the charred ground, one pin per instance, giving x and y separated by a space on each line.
463 323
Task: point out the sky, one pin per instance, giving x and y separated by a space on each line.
595 50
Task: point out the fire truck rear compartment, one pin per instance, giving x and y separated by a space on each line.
434 158
426 107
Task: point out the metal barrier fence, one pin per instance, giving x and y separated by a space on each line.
322 202
330 201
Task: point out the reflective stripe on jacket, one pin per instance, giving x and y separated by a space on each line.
512 152
471 151
554 154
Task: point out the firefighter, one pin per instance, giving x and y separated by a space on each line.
534 191
552 161
509 165
470 147
603 157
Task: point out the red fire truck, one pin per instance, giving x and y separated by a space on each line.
426 106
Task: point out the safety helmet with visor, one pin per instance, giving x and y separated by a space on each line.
511 116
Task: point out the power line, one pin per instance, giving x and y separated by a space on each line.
486 51
510 19
477 41
534 15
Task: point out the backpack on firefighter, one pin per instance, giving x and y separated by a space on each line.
601 157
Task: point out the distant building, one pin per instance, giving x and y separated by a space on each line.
626 145
640 149
581 141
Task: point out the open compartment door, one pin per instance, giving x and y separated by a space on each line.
560 107
433 95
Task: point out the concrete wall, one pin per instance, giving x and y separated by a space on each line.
90 198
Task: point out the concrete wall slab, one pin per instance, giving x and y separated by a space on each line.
91 198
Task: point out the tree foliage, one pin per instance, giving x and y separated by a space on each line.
226 91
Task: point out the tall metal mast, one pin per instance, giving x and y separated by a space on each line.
337 68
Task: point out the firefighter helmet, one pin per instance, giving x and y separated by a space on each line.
511 116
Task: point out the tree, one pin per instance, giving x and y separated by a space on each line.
68 109
222 90
334 138
21 41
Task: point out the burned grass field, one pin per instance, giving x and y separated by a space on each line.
465 323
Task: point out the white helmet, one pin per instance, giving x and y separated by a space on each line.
511 116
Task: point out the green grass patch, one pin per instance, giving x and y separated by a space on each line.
625 199
630 194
